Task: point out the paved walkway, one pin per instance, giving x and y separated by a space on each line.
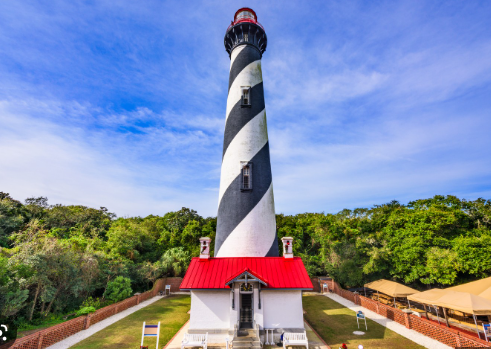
390 324
80 336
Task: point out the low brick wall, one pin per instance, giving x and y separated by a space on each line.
175 283
316 284
49 336
448 336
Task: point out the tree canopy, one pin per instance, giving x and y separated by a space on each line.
58 259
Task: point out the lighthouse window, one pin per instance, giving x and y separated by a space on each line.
246 182
246 177
246 37
245 15
246 96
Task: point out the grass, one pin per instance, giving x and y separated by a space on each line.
336 323
126 333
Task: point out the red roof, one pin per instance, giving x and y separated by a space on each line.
276 272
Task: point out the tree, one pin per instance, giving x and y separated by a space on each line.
174 262
11 218
118 289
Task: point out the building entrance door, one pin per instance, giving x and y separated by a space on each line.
246 310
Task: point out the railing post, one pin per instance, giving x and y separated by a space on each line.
407 320
40 340
87 322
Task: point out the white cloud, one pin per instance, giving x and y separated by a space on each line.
71 166
123 105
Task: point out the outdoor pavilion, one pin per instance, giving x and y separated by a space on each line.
480 288
390 289
463 302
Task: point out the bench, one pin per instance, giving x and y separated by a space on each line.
194 340
295 339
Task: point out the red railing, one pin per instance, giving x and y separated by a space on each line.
245 20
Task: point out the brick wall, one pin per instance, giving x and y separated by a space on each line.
316 284
174 283
49 336
448 336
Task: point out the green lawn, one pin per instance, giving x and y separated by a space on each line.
335 324
126 333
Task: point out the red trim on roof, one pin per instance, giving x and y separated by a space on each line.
246 270
276 272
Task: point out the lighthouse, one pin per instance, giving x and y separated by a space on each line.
246 224
246 289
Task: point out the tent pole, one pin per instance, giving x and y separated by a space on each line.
426 312
446 318
437 317
477 328
394 302
408 303
378 297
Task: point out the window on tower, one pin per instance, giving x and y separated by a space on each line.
246 96
246 37
246 182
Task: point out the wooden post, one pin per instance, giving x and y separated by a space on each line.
446 318
143 333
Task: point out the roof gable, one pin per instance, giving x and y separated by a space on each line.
247 274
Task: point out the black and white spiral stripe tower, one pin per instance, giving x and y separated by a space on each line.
246 225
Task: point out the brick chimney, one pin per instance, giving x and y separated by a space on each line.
287 247
204 250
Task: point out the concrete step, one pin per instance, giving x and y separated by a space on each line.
245 345
245 338
246 334
251 341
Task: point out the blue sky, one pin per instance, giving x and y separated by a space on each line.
122 104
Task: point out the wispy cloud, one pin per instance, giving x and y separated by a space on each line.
122 104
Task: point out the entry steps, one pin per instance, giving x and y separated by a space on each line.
246 339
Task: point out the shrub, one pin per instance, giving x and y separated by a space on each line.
85 310
118 289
